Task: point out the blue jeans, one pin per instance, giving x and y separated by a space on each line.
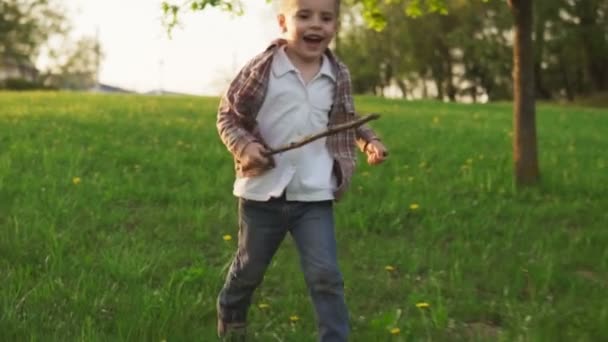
262 228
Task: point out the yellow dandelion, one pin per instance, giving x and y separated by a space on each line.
227 237
263 306
435 120
395 331
414 206
76 180
389 268
294 318
470 161
422 305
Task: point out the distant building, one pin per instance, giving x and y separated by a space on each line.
13 69
165 92
106 88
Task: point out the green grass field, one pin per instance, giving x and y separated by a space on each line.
115 213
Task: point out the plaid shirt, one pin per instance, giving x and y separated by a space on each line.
236 117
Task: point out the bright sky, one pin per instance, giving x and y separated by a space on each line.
208 49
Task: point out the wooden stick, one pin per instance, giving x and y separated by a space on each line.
332 130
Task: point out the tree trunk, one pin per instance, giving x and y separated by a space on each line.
566 81
438 78
594 47
403 87
425 89
446 65
473 90
450 87
524 117
539 41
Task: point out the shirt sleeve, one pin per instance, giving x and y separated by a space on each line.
364 133
230 121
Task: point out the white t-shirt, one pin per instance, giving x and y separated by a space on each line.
291 111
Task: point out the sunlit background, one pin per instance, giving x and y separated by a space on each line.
464 53
199 58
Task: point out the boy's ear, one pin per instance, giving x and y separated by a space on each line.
281 21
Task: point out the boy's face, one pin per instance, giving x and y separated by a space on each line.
308 26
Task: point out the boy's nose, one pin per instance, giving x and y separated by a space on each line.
316 21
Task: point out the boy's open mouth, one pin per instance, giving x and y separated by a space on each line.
313 38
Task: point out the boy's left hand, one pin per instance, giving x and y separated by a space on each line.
376 152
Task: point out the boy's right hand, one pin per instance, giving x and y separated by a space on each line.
255 155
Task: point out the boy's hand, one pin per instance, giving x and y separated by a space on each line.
254 156
376 152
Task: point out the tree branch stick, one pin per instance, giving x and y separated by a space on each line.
330 131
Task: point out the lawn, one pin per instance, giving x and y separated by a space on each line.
117 223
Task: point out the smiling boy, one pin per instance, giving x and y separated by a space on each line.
295 88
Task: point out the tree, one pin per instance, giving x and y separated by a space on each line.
76 65
25 25
570 48
464 54
526 171
525 156
524 113
591 19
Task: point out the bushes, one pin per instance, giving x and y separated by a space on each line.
23 84
599 99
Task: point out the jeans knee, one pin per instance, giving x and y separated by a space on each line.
248 274
325 281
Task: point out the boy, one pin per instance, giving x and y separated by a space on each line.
295 88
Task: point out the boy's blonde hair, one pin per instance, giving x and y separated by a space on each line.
282 6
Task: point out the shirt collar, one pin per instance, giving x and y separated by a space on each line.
282 65
326 68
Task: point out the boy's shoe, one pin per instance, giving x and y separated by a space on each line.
233 332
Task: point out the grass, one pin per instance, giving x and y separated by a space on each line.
114 209
598 99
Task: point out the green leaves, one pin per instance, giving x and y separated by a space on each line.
170 16
26 25
376 20
413 9
417 8
372 10
437 6
172 12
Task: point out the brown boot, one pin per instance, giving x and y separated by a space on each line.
233 332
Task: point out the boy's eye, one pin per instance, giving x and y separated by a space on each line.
305 15
302 14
